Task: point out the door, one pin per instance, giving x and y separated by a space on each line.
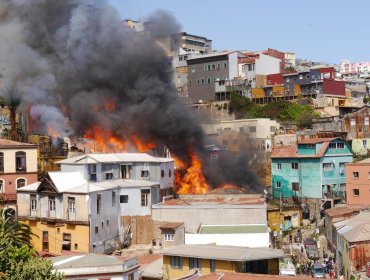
45 241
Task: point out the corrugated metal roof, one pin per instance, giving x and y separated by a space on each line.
339 211
292 151
248 276
232 229
231 253
113 157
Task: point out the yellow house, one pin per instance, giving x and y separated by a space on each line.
276 219
186 260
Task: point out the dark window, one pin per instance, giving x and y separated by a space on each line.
108 176
98 203
212 265
113 198
33 203
176 262
295 187
1 162
92 172
96 229
195 263
45 241
279 166
145 173
355 175
162 173
123 198
356 192
76 246
294 165
169 173
66 245
145 197
20 161
21 183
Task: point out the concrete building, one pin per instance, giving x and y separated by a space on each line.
290 59
314 168
18 167
357 182
190 43
348 68
192 260
94 266
209 209
205 70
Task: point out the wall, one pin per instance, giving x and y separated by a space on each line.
167 180
10 180
141 228
361 183
133 206
107 221
9 159
267 65
333 87
251 240
195 216
361 146
79 236
275 220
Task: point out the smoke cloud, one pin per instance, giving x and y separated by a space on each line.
68 59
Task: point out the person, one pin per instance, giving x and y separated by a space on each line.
290 238
331 274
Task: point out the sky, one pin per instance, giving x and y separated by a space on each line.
318 30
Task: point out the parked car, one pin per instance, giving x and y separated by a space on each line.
309 241
312 252
317 271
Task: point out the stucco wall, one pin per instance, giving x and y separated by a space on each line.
133 206
9 159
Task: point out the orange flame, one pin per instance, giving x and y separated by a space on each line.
52 131
109 106
193 181
104 140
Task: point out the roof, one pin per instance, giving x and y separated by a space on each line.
214 201
233 229
211 55
153 270
74 182
247 276
339 211
229 253
171 225
8 144
358 233
285 151
361 162
92 264
113 157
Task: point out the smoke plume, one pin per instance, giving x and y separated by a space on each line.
71 59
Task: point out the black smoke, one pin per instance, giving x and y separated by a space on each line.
68 58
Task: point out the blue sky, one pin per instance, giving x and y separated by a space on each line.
320 30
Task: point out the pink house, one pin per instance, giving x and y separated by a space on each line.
358 183
348 68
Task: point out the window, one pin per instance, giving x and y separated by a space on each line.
108 176
145 197
327 166
193 69
225 64
21 183
241 129
176 262
20 161
33 202
356 192
294 165
162 173
311 146
252 129
92 172
102 224
340 145
98 203
96 229
123 198
195 263
66 242
169 236
202 80
278 185
45 241
332 145
366 121
279 166
145 173
212 265
169 173
125 171
355 175
51 203
108 223
113 198
295 187
272 129
198 82
364 143
71 205
353 122
76 246
208 80
1 162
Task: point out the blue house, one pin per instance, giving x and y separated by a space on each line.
313 168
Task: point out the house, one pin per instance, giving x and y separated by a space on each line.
356 124
335 215
18 167
186 260
204 70
284 217
172 234
314 168
94 203
95 266
210 209
353 244
190 43
357 182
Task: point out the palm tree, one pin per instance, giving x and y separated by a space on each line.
13 232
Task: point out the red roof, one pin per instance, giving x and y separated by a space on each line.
292 151
315 140
171 225
247 276
239 199
339 211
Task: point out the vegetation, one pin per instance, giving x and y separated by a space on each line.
18 260
283 111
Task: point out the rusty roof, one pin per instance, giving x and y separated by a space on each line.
247 276
292 151
171 225
339 211
214 201
8 144
315 140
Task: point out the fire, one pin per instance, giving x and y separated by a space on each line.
104 140
109 106
141 146
52 131
193 181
